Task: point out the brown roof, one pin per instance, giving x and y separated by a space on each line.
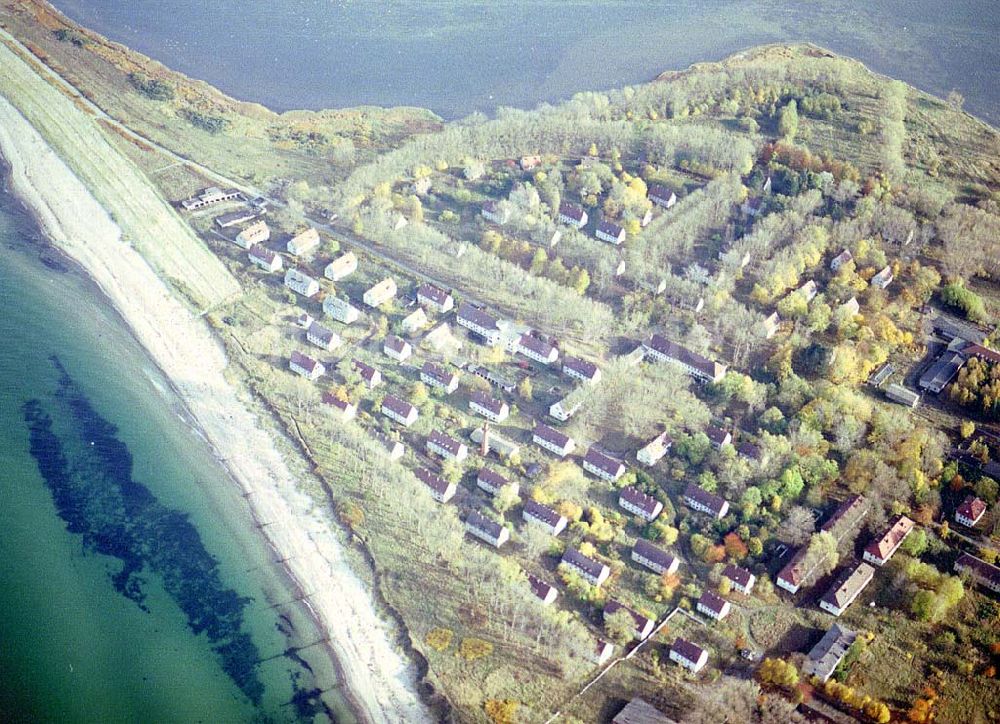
749 450
580 366
492 478
441 440
536 345
551 435
330 399
603 462
613 606
660 192
434 293
983 353
687 649
885 545
710 500
640 711
366 371
712 601
639 499
262 252
610 228
675 351
481 522
432 481
653 553
716 434
396 405
793 572
980 567
303 361
396 344
542 512
737 574
477 316
438 373
578 560
483 400
539 587
972 507
572 211
845 516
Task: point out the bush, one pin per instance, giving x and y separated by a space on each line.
970 303
472 649
439 638
152 88
205 121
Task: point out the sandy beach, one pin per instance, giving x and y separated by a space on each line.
379 680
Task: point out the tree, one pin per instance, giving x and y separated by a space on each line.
501 712
788 120
619 626
506 498
525 389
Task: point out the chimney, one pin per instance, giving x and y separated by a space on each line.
484 445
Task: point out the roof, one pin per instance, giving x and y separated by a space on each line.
614 606
640 711
688 650
749 450
551 435
481 522
972 507
984 353
792 572
830 650
576 559
396 344
981 568
848 585
941 372
660 192
304 361
437 372
477 316
485 401
639 499
571 211
320 332
664 346
700 495
738 575
536 345
843 257
653 553
542 512
398 406
609 228
331 399
262 252
492 477
716 434
366 371
603 462
884 546
444 441
539 587
432 481
580 366
845 516
435 294
713 602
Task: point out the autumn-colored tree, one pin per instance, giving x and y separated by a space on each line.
735 548
501 712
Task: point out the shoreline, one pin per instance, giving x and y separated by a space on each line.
375 681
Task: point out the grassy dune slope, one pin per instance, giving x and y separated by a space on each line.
146 219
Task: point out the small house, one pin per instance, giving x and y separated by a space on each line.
851 307
572 214
346 410
544 516
306 366
718 437
537 349
565 408
883 279
654 558
602 652
544 592
301 283
322 337
303 242
396 348
824 658
603 466
552 440
447 447
491 481
610 232
492 409
304 320
399 410
486 530
256 233
438 377
691 657
594 572
653 451
371 376
741 579
496 212
529 163
752 453
846 588
341 267
581 369
770 325
643 625
662 196
898 393
841 259
441 490
980 571
235 218
414 322
436 298
713 605
971 511
340 310
209 196
393 448
476 320
809 290
661 349
264 258
703 501
381 293
638 503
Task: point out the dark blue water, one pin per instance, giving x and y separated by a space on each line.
461 56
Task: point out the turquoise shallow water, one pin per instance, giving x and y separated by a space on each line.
133 586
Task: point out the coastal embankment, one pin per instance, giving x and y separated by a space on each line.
380 682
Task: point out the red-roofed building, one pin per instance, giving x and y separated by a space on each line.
878 552
971 511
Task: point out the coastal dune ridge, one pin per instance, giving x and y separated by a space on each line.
379 682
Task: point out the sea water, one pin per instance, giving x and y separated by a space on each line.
133 584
